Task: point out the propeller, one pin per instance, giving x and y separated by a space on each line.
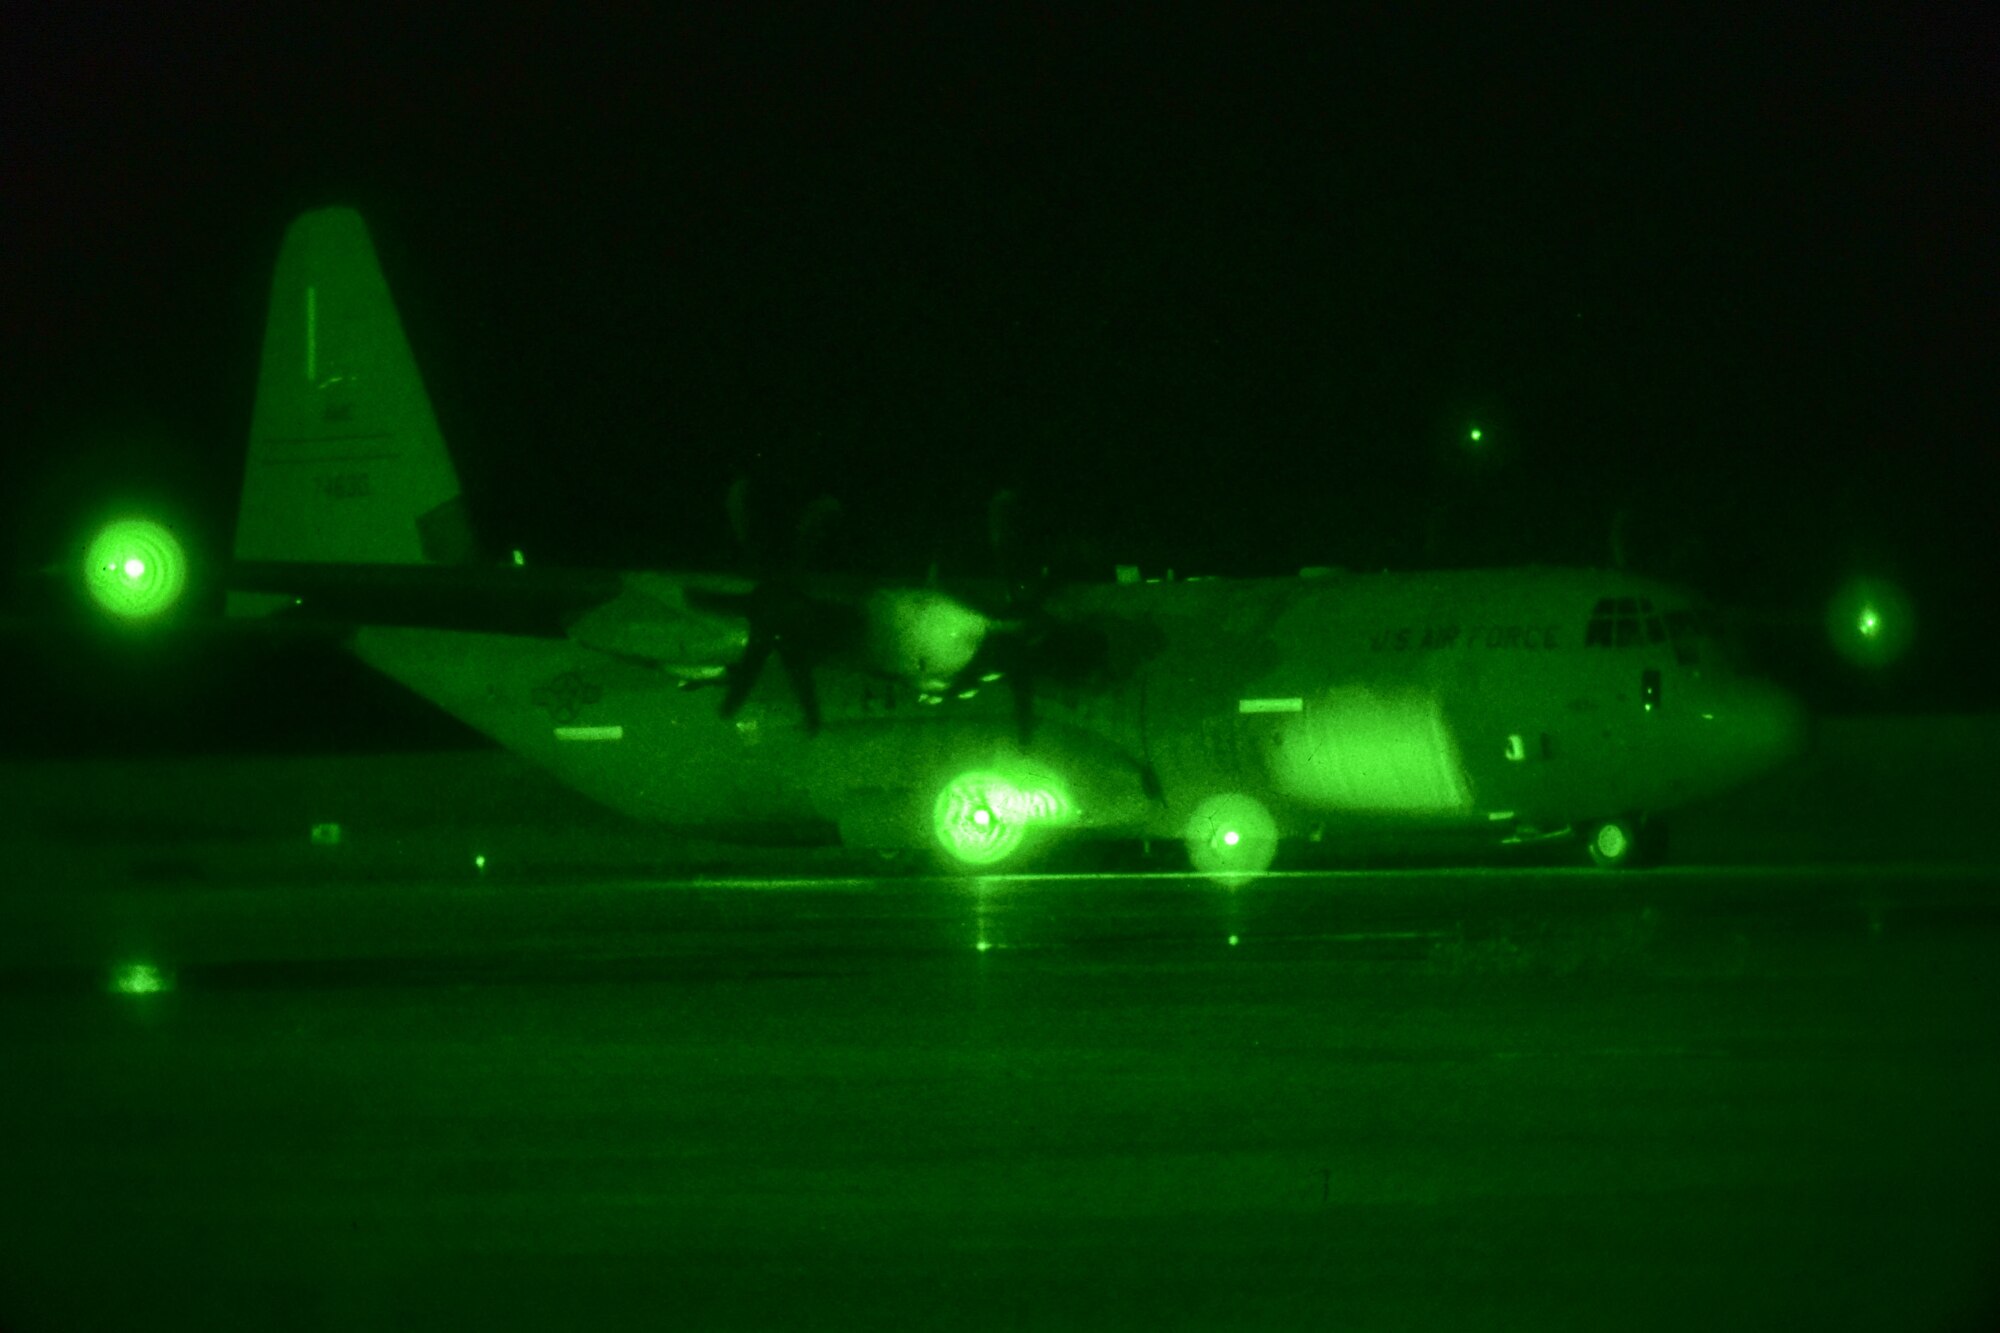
783 620
1022 638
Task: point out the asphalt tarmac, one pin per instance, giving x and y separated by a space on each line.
1542 1099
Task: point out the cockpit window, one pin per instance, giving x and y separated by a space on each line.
1623 622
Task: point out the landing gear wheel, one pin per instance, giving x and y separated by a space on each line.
1614 844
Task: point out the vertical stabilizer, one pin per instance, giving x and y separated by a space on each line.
346 464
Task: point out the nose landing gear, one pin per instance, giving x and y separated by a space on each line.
1625 841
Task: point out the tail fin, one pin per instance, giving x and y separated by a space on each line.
346 464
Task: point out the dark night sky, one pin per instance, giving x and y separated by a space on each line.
1219 292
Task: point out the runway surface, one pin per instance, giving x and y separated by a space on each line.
1539 1100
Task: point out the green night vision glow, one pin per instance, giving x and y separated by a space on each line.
1870 622
138 979
1475 435
1231 838
134 568
981 817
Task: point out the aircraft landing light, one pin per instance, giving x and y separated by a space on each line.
138 979
1497 815
135 568
590 733
1270 705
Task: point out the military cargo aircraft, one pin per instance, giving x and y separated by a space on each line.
980 723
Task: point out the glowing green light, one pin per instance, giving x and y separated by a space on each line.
138 979
479 863
1232 941
1476 434
518 560
981 816
134 568
1871 622
1231 838
984 945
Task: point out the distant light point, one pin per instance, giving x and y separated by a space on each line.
135 568
1231 838
1870 624
1476 434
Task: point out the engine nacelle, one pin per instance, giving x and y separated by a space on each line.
922 635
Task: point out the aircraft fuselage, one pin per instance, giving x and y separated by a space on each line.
1479 700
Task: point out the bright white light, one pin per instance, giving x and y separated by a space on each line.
1231 838
135 568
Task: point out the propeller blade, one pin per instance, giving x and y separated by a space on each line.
743 672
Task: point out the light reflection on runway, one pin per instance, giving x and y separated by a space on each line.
1405 1099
